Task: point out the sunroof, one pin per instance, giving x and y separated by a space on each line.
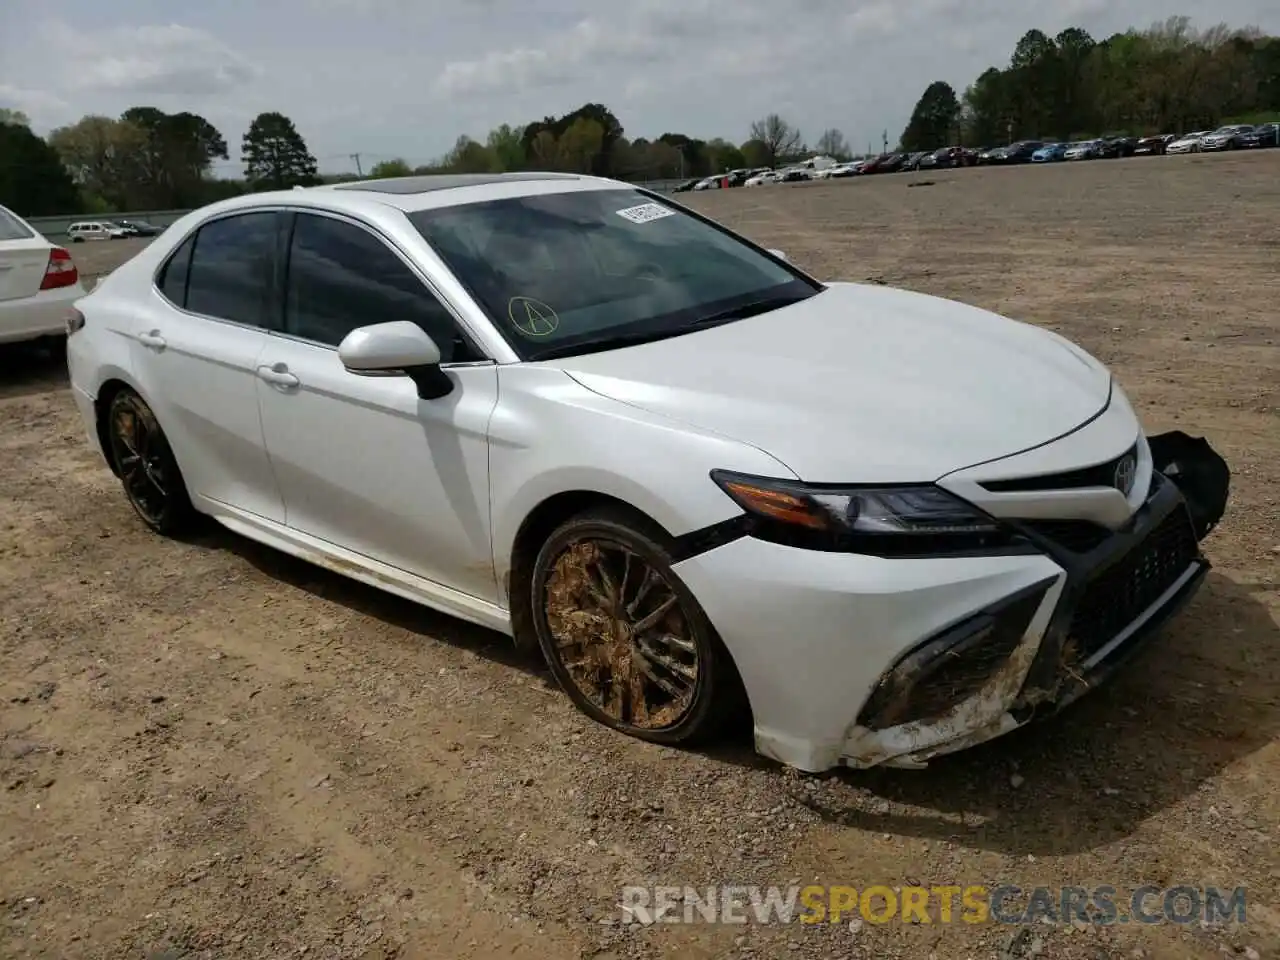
446 181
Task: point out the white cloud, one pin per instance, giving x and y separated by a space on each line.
168 59
405 77
30 101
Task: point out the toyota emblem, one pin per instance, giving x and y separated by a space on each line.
1126 473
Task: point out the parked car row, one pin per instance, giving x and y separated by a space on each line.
86 230
1237 136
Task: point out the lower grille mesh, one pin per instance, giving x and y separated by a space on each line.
1122 592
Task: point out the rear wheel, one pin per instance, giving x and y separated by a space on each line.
624 637
146 465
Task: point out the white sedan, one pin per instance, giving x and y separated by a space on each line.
39 283
881 525
1187 143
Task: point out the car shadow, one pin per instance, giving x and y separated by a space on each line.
1198 699
414 618
30 368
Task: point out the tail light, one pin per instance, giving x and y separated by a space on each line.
61 271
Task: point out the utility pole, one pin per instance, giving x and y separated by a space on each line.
884 137
356 158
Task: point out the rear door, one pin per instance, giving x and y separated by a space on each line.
195 352
24 257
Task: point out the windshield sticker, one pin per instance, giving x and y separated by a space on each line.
531 317
646 212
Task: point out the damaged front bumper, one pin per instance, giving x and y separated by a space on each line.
1114 596
859 660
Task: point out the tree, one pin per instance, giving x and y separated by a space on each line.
176 155
33 180
692 153
390 168
468 156
581 145
275 155
723 156
755 153
104 157
544 152
505 143
934 119
833 144
779 138
15 117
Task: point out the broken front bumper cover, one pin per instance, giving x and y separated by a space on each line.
1036 651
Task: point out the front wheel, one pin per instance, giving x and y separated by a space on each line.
624 637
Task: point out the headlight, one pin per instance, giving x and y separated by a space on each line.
887 521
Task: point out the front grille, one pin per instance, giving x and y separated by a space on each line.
1123 591
1078 536
1100 475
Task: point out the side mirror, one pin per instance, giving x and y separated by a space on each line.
779 254
396 349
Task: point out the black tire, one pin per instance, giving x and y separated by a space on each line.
144 461
714 696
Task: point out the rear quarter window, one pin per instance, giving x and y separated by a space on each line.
172 280
11 228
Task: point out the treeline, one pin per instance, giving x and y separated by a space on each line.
145 159
591 140
150 160
1169 78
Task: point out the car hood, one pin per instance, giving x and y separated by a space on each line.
862 383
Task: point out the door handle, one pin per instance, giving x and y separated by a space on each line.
152 339
278 374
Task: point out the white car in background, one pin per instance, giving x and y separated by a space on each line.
39 283
761 179
96 230
1187 143
1083 150
707 486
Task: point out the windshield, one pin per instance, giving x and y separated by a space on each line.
586 270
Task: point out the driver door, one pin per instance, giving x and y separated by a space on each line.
362 462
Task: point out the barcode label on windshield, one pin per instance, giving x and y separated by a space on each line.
646 212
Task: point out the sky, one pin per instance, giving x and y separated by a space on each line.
403 78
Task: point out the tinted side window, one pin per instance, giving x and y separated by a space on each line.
173 278
232 268
342 277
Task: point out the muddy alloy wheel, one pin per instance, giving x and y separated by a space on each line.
146 465
624 637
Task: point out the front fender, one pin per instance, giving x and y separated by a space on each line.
550 435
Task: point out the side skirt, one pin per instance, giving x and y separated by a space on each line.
359 567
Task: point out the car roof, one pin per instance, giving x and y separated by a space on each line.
413 193
426 183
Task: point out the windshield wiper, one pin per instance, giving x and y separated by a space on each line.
741 312
604 343
618 341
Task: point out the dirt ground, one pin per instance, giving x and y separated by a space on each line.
211 750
